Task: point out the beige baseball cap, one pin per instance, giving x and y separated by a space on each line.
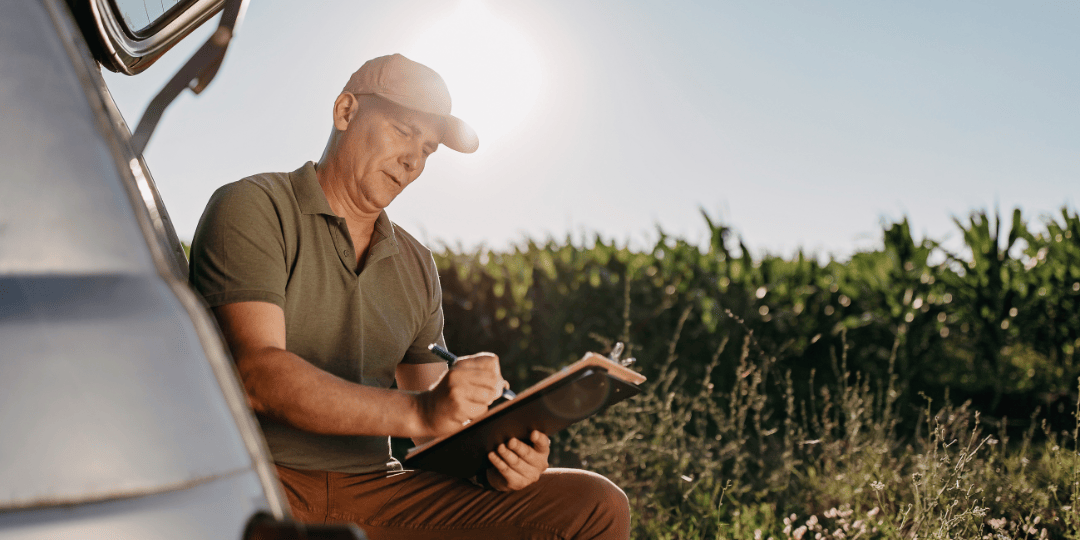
417 87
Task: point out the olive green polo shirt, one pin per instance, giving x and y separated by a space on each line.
273 238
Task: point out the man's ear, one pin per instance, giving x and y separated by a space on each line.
345 107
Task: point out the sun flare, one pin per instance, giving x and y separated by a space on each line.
491 68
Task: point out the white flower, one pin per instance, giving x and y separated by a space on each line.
878 486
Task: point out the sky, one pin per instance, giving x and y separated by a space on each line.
801 125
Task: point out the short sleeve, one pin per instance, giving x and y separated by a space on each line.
238 253
432 330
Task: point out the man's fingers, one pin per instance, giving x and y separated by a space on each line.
481 369
541 442
472 386
518 463
511 456
480 362
536 457
465 392
514 479
475 377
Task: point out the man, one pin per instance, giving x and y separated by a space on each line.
324 303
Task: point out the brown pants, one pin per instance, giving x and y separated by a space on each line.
563 504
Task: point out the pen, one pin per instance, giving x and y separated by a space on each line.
451 358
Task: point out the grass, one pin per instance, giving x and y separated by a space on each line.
698 461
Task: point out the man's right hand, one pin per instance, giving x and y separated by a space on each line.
463 393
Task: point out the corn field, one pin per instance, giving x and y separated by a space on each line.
908 392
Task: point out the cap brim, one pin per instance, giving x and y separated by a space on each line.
458 135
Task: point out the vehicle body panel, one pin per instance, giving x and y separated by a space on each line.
193 513
121 415
55 215
106 392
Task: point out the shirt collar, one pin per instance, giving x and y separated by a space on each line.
309 194
384 228
383 242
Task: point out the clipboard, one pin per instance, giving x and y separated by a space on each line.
578 391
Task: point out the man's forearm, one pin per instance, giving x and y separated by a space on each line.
287 388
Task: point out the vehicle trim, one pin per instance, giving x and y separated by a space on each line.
131 55
118 495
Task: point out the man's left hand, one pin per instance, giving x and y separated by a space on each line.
517 464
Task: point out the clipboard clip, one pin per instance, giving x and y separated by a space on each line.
616 352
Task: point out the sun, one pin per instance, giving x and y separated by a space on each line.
491 68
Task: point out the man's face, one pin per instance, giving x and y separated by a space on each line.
386 147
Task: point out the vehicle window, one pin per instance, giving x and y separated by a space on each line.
127 36
140 15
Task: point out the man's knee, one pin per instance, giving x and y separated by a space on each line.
604 510
605 495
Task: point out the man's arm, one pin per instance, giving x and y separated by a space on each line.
284 386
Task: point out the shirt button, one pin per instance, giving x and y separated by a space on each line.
345 251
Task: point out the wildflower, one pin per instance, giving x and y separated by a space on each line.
991 441
873 512
997 523
757 534
878 486
1025 461
798 534
915 477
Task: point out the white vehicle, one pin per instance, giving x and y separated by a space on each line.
121 415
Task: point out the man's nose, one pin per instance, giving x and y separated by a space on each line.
410 159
